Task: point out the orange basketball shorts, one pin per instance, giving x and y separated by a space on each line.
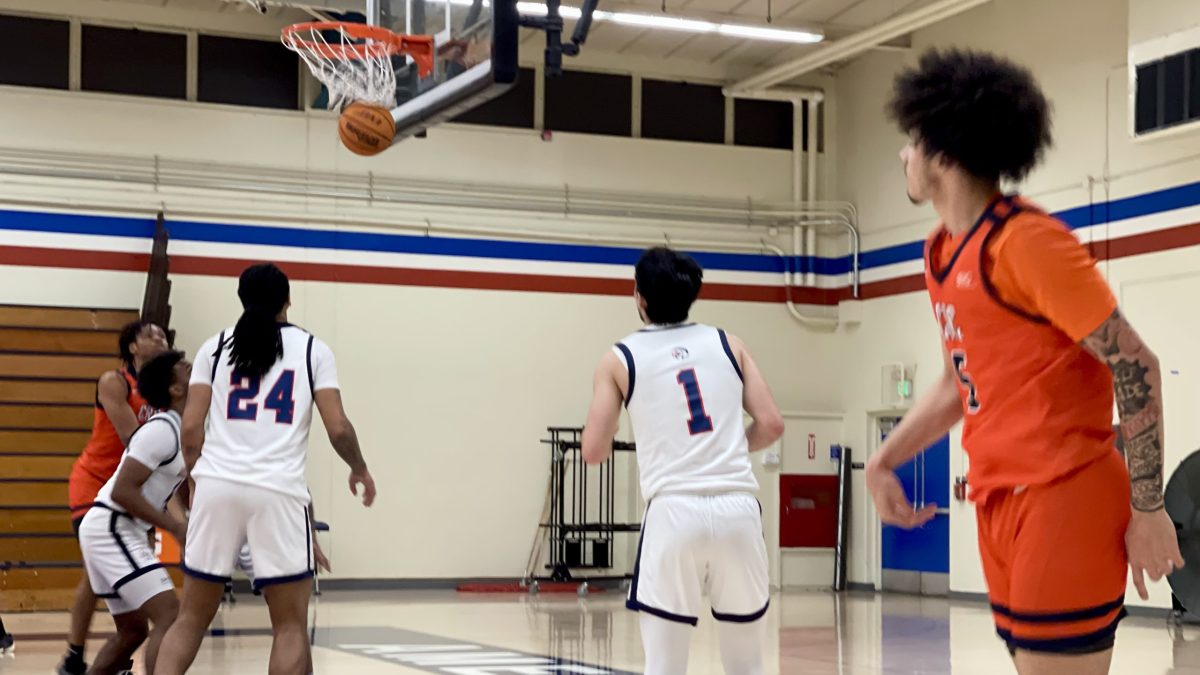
1054 559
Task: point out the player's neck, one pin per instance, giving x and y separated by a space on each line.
961 205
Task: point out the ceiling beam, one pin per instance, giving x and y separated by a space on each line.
856 44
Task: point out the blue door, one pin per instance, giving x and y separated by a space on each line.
919 560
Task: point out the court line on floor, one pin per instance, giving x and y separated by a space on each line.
410 649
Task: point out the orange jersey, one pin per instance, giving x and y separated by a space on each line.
1013 298
103 451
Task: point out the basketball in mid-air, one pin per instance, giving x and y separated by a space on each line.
366 129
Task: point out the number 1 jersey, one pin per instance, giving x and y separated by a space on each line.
257 431
685 403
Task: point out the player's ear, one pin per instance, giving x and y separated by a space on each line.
179 384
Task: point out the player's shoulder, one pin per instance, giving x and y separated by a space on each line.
1031 216
164 424
1033 228
113 378
731 338
293 332
314 347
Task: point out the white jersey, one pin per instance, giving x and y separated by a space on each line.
685 402
154 445
257 430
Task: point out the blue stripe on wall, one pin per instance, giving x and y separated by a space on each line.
1082 216
69 223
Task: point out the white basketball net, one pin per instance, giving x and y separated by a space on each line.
352 69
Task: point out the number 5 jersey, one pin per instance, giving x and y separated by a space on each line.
1013 297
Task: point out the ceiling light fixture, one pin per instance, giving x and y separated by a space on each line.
678 23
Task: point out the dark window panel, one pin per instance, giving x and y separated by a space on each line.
679 111
821 127
1193 79
763 124
590 103
1174 81
239 71
1146 104
514 108
34 52
131 61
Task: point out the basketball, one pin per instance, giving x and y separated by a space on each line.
366 129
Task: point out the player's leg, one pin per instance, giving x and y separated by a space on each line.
739 584
995 521
1034 663
742 646
279 534
216 531
161 610
666 644
1069 571
288 604
103 564
666 586
118 650
197 607
83 604
150 594
7 641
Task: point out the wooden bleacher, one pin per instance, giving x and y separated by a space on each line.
50 358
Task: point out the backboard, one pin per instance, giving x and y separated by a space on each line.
476 47
474 55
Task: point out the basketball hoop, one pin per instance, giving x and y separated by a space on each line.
354 60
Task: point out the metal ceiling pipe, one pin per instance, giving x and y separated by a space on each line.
855 44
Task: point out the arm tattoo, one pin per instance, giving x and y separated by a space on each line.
1137 383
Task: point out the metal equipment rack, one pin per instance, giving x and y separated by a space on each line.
579 523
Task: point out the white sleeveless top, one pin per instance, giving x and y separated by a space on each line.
685 403
155 445
257 430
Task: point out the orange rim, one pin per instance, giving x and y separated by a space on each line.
419 47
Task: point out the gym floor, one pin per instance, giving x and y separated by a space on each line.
814 633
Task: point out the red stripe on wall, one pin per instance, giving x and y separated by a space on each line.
897 286
399 276
1150 242
29 256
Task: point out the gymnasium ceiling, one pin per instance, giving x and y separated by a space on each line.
835 18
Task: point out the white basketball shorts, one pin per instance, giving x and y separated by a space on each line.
694 545
226 515
120 563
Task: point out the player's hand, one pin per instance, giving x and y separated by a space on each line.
363 477
891 502
319 556
1153 548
